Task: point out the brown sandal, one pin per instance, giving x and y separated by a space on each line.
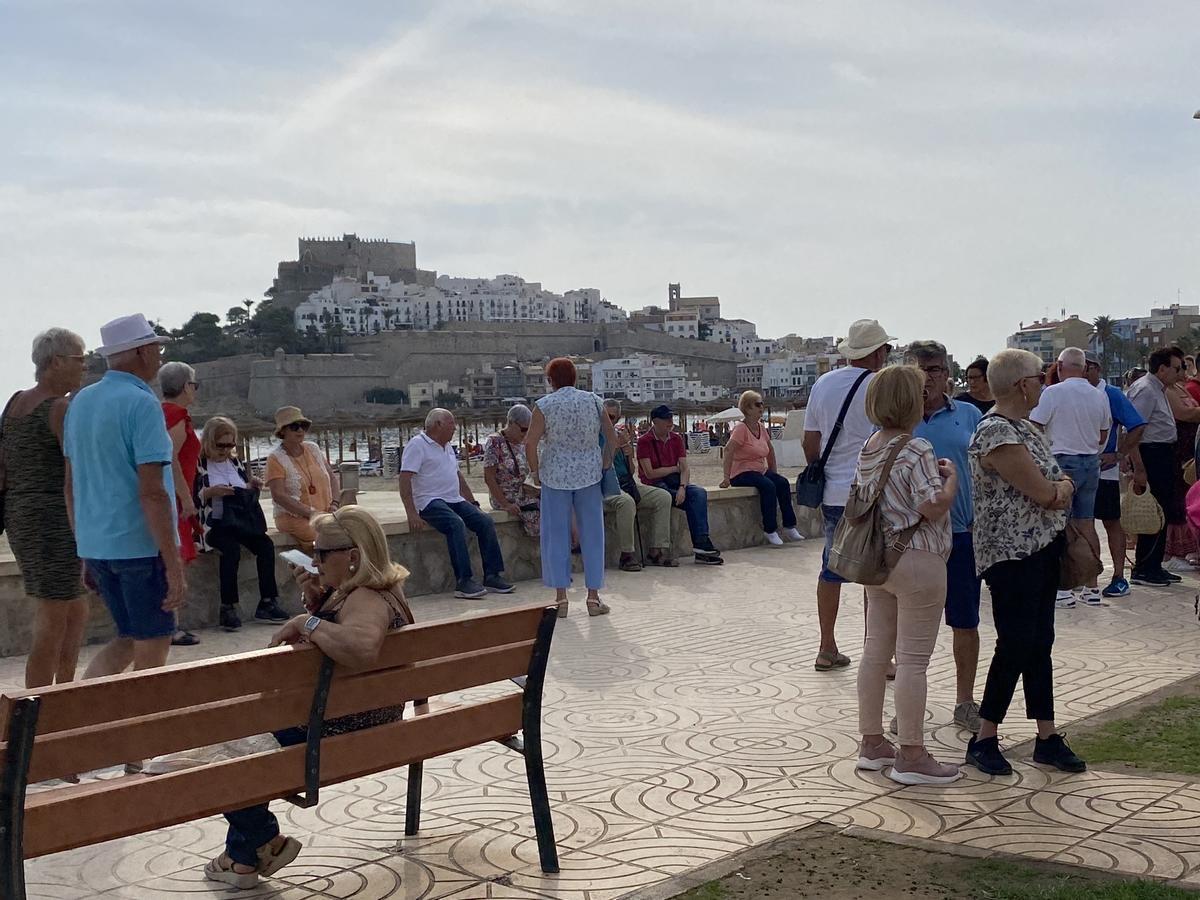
827 661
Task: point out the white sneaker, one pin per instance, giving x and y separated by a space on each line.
1178 564
773 538
1065 600
1091 596
792 534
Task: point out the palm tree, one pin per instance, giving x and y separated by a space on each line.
1104 329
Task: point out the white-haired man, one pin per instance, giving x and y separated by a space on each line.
120 497
435 493
1077 420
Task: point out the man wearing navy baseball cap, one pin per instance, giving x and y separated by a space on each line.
662 461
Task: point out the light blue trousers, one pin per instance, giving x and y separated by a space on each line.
557 506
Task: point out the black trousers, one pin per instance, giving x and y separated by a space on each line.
1023 592
229 544
1159 460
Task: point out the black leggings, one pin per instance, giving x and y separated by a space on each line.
229 544
1023 592
1159 460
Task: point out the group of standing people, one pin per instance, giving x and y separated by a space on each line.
968 490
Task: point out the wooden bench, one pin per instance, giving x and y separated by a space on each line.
86 725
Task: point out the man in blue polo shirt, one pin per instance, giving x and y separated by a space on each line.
1123 440
120 497
949 425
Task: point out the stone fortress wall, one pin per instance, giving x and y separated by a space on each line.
326 382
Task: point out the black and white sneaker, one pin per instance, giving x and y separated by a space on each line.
705 559
229 619
705 548
1151 579
497 585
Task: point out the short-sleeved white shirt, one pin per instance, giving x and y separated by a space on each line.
824 404
435 471
1074 414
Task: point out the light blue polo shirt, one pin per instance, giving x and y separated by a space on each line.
950 430
112 427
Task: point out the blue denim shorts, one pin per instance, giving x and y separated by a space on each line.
1085 472
962 584
134 590
832 515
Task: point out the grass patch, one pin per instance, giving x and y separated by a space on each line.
711 891
1163 738
1012 881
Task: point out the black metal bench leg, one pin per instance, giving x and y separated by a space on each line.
412 811
21 732
539 798
531 733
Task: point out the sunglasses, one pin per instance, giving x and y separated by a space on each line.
297 426
226 446
319 553
524 429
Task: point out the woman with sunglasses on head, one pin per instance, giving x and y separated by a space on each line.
300 478
231 518
353 602
1021 500
750 462
506 471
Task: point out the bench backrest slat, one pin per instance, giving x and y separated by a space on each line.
80 704
102 810
112 743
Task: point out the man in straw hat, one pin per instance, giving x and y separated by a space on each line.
866 348
121 498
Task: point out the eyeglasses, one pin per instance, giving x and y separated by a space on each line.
226 446
195 385
524 429
319 553
297 426
758 404
976 377
934 370
1040 377
162 351
76 356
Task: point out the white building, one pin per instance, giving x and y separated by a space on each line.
379 304
734 332
794 374
643 378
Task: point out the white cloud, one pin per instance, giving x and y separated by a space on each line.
949 169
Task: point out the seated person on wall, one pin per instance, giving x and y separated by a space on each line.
654 504
662 457
301 480
435 493
750 462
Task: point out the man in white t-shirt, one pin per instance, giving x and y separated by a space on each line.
866 348
1076 418
435 493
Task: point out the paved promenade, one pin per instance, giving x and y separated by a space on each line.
689 725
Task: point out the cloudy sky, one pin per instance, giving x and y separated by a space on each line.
950 168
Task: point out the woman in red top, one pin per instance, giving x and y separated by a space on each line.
179 387
750 462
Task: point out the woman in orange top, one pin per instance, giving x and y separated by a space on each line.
750 462
300 478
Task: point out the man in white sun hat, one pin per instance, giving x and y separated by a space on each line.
120 497
840 396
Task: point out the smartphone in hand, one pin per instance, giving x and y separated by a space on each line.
296 558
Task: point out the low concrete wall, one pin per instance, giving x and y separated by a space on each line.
734 521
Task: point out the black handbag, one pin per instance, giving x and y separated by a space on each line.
810 484
3 461
241 512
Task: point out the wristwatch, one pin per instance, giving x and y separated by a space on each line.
310 624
